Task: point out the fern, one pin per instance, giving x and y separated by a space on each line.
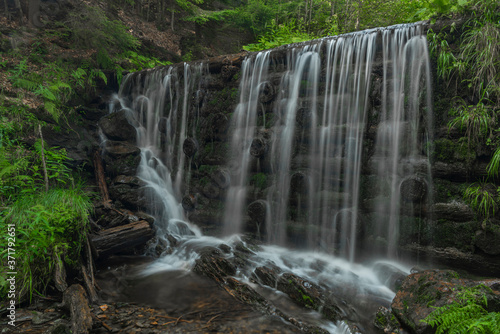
467 315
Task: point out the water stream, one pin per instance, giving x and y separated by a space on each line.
320 146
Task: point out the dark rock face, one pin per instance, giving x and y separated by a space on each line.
121 158
130 191
117 127
309 295
421 292
487 241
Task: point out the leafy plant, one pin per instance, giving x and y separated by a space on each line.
481 199
278 35
477 120
47 225
466 315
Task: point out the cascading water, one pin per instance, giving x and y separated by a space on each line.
254 75
327 101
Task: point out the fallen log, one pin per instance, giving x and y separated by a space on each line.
74 299
121 238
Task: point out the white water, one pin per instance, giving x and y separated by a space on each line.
334 154
253 76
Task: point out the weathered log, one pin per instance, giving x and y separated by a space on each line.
74 299
121 238
222 178
101 180
190 147
259 147
59 273
89 286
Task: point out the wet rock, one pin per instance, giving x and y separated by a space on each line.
259 147
211 190
189 202
59 326
454 211
228 71
117 127
389 275
190 147
163 124
213 265
304 116
267 92
121 158
422 292
267 275
387 322
413 189
221 178
130 191
299 183
215 127
257 211
309 295
480 265
488 240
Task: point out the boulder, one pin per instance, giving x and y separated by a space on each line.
422 292
121 158
130 191
309 295
488 240
116 126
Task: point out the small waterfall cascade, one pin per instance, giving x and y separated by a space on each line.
253 79
157 105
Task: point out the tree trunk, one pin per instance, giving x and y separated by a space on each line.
45 175
34 13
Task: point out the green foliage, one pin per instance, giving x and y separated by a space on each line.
93 30
278 35
137 62
47 225
466 315
477 120
494 164
480 54
481 199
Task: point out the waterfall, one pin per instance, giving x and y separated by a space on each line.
152 104
326 139
253 77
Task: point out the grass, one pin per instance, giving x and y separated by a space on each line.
48 226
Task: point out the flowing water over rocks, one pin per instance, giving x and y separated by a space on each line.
311 151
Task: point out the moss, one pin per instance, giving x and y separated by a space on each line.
209 169
259 180
447 150
453 234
